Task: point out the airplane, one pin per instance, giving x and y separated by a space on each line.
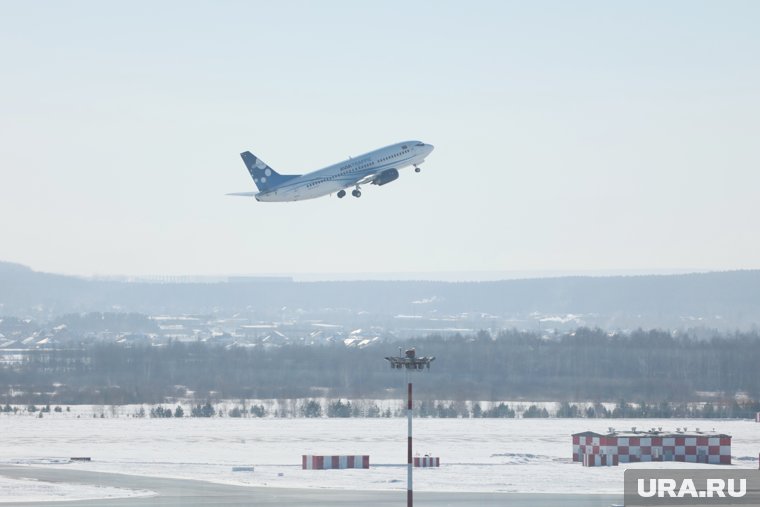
376 167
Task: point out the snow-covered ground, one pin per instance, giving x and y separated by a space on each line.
488 455
31 490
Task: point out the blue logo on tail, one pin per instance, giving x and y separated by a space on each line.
264 176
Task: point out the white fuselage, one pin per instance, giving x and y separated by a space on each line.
349 173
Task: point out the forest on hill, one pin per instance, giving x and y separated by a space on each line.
583 365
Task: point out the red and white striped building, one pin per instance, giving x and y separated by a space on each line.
426 461
312 462
636 446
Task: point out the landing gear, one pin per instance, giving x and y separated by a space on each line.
417 169
356 193
341 194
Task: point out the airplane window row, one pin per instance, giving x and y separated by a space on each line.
405 149
322 180
357 168
394 155
364 166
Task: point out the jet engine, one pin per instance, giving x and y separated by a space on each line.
385 177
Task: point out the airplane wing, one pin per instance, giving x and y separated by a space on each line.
367 179
243 194
370 178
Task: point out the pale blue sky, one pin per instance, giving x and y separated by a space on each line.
569 135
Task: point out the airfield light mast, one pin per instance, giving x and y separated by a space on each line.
409 362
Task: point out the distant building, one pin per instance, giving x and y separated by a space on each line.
637 446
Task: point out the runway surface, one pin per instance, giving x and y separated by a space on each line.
178 492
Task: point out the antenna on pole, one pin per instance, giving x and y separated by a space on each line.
408 361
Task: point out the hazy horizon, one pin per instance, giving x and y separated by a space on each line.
453 276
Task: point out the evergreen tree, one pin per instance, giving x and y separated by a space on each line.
535 412
311 408
258 411
339 409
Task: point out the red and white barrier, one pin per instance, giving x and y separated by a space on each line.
427 461
312 462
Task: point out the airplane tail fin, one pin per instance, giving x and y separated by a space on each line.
264 176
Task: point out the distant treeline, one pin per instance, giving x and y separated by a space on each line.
587 364
315 408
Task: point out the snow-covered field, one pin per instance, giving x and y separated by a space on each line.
31 490
487 455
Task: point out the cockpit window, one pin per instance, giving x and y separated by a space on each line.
420 144
404 147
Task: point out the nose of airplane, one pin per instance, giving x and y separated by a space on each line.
429 148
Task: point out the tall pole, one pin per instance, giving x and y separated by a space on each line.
409 362
409 464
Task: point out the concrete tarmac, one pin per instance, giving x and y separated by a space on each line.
180 492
